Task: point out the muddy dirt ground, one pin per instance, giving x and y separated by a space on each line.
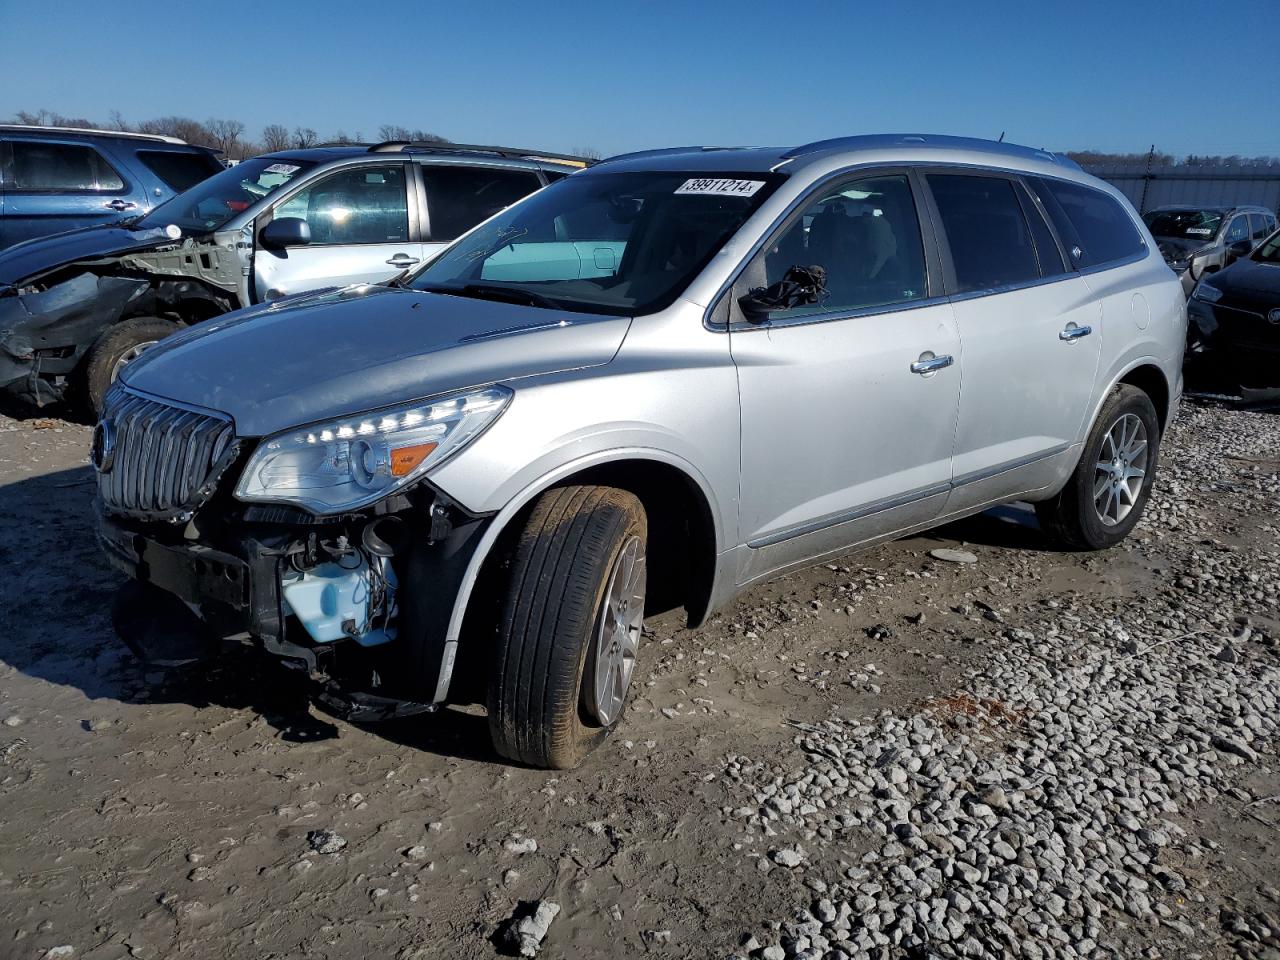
152 815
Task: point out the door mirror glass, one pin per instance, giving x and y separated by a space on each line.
1240 248
285 232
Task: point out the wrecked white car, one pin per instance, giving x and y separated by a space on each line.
76 307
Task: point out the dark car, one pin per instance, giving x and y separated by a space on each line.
1197 241
54 179
1234 316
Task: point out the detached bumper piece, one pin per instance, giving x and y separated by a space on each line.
356 706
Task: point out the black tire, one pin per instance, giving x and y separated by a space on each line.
115 342
1071 518
558 574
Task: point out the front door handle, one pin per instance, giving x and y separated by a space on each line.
402 260
120 205
1071 332
929 364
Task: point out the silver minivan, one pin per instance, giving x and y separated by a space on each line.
653 384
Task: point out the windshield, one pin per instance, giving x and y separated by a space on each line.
1269 250
211 203
617 243
1184 224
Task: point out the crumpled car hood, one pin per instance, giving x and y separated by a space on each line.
1176 248
334 353
31 258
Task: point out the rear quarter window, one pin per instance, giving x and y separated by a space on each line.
1091 222
179 171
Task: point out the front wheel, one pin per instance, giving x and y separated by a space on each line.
1104 499
570 626
118 346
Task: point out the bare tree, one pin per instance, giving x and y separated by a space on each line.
226 137
587 153
118 122
391 131
48 118
304 137
184 128
275 136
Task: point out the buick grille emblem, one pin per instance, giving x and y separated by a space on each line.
103 451
1273 315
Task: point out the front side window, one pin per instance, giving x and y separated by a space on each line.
1238 230
1258 226
211 203
865 235
1269 252
986 231
460 197
39 167
615 243
1103 229
362 205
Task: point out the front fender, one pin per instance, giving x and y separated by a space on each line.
522 498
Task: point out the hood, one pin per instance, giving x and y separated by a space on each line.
28 260
1178 248
336 353
1248 276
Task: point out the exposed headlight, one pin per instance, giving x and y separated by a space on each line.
352 462
1207 292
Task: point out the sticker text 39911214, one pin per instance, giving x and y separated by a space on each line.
720 187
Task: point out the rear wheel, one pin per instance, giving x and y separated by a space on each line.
1104 499
118 346
570 626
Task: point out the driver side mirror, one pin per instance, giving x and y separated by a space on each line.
1241 248
286 232
798 287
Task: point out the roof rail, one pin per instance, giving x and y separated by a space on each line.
664 151
159 138
431 146
927 140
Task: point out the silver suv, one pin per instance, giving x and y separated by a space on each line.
653 384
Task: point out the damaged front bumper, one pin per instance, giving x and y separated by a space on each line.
230 587
45 334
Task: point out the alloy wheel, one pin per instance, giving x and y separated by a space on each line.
618 634
1121 470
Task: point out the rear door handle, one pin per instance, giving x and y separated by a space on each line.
402 260
929 363
1072 332
121 205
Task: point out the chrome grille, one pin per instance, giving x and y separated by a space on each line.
157 461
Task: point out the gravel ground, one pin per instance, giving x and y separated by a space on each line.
1036 755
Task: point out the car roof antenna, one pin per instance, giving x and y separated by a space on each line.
1001 140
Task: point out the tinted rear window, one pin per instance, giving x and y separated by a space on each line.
987 234
1099 227
179 171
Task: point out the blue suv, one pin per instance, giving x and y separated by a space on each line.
54 179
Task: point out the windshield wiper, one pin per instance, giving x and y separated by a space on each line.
493 291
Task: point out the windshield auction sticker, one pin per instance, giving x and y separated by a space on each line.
721 188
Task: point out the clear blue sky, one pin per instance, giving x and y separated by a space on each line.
616 76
